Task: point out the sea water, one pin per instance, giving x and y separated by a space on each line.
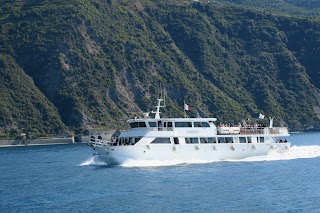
67 178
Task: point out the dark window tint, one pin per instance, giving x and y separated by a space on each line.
242 139
229 140
212 140
203 140
142 124
205 124
192 140
161 140
201 124
221 140
152 124
134 125
183 124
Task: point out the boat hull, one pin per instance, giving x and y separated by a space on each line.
115 155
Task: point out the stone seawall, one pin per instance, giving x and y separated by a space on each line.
36 141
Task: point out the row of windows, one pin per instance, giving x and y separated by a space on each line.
161 140
138 124
207 140
134 140
127 141
210 140
169 124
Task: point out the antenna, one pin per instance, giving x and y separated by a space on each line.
160 91
164 97
157 113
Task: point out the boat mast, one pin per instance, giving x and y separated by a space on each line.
157 116
161 98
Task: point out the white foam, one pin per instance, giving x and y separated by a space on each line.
159 163
295 152
92 161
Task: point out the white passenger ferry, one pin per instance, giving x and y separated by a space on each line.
188 139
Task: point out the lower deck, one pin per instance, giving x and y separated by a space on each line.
131 141
186 152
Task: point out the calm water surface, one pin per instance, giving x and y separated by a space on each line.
65 178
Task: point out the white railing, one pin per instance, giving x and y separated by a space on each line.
99 142
264 130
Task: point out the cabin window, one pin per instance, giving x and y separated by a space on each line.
134 125
137 124
242 139
176 140
197 124
161 140
229 140
249 139
201 124
129 141
207 140
225 140
136 140
153 124
142 124
261 139
221 140
192 140
203 140
212 140
183 124
205 124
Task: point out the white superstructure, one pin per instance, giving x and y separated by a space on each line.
186 139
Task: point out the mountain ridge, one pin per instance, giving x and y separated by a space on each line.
101 61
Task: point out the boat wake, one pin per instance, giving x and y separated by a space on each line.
295 152
93 161
159 163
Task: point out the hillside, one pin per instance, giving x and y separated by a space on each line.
307 8
22 105
97 62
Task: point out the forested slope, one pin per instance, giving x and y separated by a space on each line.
307 8
97 62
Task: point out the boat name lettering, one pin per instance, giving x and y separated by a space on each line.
192 131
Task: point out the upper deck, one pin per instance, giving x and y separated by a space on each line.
201 126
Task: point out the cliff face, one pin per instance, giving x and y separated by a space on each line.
22 105
97 62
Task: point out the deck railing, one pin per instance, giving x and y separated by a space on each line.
264 130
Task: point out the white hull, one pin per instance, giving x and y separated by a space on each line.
115 155
188 139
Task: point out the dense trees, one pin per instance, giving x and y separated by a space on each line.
92 63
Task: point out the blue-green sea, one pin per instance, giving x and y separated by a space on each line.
67 178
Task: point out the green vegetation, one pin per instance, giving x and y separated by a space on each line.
22 106
307 8
82 64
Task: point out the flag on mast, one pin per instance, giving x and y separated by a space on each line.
186 107
261 116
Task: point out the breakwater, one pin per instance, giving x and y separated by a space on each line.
29 142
